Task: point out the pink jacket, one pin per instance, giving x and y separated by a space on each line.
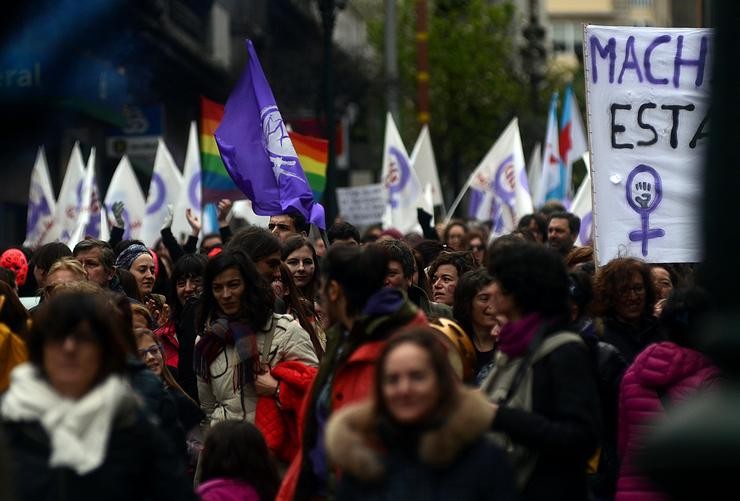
664 366
227 489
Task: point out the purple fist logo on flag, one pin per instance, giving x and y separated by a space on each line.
258 153
398 176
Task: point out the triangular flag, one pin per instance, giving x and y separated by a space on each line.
572 138
190 195
124 187
499 186
583 207
553 178
425 166
405 192
534 170
41 204
258 153
70 198
164 189
91 211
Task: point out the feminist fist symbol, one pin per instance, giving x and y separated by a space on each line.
643 194
644 199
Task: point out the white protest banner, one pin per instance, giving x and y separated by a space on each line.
124 187
404 192
583 207
191 193
362 205
70 198
648 96
165 187
41 204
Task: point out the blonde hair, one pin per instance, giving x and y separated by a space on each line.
70 264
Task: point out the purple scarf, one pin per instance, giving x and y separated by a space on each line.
515 337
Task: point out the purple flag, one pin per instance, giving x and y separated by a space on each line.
258 153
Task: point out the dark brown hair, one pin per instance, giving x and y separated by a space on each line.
59 317
426 339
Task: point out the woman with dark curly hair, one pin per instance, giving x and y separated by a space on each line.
241 339
542 383
624 299
445 272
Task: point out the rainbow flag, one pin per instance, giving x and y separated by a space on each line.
216 182
313 153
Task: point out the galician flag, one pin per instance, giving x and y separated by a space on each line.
257 150
190 196
425 165
572 138
69 203
124 187
164 188
41 204
499 186
583 207
405 192
553 170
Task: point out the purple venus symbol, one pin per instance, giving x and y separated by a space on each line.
644 196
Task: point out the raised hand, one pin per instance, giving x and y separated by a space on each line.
644 195
193 221
117 209
224 209
167 222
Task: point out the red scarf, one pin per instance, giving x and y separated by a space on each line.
515 337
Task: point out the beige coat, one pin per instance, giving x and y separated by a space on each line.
221 401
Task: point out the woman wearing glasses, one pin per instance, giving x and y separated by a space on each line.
624 299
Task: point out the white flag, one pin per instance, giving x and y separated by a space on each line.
583 207
70 198
499 185
573 142
552 184
41 204
164 188
534 170
404 190
423 162
91 216
124 187
190 194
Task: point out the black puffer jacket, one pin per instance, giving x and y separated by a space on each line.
140 464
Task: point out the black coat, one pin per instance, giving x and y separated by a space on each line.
564 425
629 340
140 464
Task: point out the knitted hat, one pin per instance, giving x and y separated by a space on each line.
127 257
15 260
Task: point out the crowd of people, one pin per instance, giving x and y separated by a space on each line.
270 364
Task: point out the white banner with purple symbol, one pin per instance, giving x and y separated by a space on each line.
70 198
404 191
191 193
41 204
124 187
164 189
499 186
648 102
583 207
91 220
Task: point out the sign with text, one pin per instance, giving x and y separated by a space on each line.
648 103
362 205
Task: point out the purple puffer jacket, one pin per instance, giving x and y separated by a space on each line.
664 366
226 489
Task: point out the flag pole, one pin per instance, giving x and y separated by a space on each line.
453 207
